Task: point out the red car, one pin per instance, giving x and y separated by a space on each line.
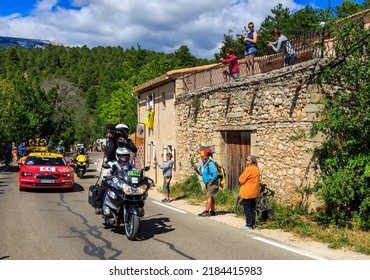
45 170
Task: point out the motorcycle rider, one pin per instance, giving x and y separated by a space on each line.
60 147
121 162
117 137
80 150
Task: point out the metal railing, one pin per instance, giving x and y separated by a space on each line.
307 47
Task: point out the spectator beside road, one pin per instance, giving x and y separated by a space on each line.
167 176
208 171
14 153
21 149
249 182
7 153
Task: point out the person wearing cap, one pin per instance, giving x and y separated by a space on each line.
118 137
208 171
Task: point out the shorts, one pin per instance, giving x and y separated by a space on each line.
166 184
251 50
235 76
212 191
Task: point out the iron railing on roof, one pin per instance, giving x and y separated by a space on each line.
308 46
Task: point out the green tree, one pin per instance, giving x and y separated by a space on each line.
347 8
344 156
237 44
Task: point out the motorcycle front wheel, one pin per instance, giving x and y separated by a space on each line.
80 173
132 226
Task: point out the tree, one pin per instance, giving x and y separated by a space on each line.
237 44
347 8
344 156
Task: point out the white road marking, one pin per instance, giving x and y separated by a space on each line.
169 207
288 248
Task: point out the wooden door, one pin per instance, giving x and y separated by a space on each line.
238 147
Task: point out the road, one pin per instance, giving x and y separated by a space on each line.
58 225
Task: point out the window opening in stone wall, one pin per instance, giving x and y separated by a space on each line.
164 100
164 153
154 154
149 149
150 102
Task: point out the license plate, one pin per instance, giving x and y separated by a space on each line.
47 181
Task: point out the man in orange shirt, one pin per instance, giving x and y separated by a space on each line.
249 190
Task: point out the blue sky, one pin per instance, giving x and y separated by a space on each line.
24 7
160 25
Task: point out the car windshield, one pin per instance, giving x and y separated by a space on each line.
34 160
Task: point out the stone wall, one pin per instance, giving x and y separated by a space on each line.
275 107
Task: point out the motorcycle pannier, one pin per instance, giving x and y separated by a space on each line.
93 190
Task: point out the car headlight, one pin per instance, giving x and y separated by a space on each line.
127 189
26 174
67 175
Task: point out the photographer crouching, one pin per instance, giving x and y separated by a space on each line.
117 137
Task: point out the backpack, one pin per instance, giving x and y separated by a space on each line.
221 175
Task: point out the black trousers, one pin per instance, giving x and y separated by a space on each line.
100 195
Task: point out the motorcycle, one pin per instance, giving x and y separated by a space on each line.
81 163
124 199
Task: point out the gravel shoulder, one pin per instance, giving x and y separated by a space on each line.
286 238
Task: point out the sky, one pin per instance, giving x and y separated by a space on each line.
158 25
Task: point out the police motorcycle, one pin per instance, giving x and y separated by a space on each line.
125 194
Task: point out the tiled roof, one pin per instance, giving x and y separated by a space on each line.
170 76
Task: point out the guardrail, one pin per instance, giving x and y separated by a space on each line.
308 46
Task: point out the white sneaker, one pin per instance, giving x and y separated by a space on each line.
246 228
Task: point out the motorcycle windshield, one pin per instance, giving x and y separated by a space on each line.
130 176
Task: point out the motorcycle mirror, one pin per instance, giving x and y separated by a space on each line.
146 168
106 166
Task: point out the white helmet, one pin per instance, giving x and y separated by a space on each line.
122 155
121 127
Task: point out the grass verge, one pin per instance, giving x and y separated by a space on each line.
293 219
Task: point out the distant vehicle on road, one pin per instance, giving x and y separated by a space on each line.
45 170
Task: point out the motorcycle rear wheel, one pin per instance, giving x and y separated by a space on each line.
132 226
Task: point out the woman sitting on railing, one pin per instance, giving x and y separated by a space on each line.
282 41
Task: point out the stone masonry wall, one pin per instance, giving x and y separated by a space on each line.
276 107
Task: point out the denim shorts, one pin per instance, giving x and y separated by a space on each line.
250 50
235 75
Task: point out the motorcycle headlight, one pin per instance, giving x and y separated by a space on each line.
140 190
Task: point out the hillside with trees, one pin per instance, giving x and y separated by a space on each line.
71 93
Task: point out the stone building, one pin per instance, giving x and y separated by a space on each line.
269 115
263 115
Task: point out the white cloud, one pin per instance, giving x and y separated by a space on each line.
160 25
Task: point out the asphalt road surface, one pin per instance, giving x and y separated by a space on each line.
58 225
